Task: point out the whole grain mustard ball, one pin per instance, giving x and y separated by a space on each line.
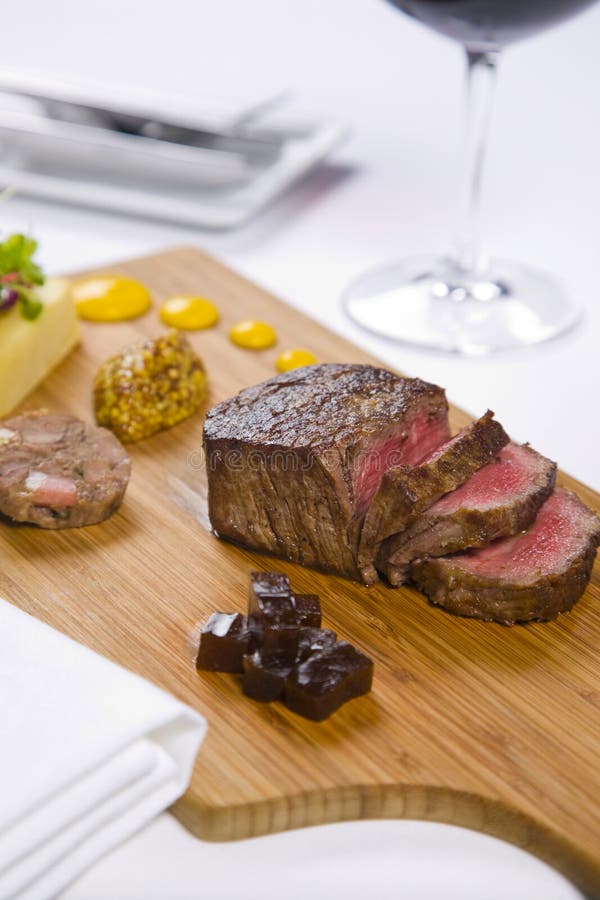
149 386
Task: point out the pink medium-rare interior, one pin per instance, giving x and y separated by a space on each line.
408 446
559 533
436 452
497 483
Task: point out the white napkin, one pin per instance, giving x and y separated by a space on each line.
89 753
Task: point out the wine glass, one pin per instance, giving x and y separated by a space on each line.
466 302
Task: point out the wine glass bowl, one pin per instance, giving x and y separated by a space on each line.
463 301
486 25
433 303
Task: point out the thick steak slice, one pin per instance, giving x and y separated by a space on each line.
58 472
293 462
405 490
535 575
499 500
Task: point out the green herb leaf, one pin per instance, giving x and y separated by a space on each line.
30 309
16 261
16 256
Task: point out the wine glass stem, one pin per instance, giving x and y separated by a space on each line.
482 69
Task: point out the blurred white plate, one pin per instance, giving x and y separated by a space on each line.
214 171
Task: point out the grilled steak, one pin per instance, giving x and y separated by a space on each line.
499 500
534 575
293 463
406 491
58 472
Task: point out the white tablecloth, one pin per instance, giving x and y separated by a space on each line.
90 754
390 191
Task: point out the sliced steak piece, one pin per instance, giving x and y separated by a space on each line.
499 500
58 472
405 491
293 462
534 575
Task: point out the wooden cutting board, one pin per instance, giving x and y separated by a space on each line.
492 728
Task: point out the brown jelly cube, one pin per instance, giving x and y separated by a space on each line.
313 640
327 679
279 644
270 601
224 640
261 681
275 585
308 610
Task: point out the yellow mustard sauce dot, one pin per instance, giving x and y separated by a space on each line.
189 313
293 359
110 298
253 335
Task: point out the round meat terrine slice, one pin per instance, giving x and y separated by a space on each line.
534 575
59 472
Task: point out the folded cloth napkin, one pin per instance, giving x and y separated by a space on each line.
89 753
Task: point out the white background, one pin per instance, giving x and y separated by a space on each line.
390 191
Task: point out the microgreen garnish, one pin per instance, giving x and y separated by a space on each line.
19 275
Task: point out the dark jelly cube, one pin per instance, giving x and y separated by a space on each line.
270 601
225 639
327 679
263 682
279 644
269 584
308 610
313 640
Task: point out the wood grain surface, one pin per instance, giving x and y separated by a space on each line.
492 728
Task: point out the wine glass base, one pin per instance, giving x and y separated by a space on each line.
433 303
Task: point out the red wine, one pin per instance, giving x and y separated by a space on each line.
490 24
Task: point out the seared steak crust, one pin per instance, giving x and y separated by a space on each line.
533 576
59 472
406 491
447 528
319 407
469 596
293 462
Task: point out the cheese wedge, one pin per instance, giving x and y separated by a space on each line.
30 350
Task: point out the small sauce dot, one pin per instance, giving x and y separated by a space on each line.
189 313
110 298
293 359
253 335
